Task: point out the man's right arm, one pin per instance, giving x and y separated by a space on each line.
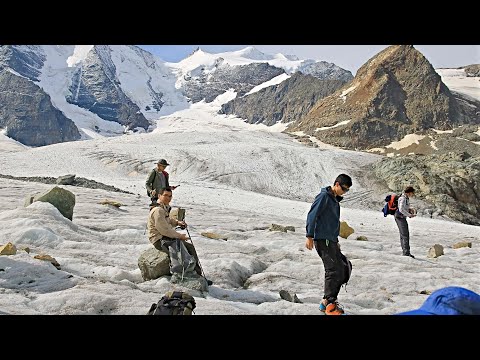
164 227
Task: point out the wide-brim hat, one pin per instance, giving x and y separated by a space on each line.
163 162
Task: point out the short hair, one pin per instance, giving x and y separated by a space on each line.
169 189
409 189
343 179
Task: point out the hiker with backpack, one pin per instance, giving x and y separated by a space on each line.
323 228
157 180
162 235
403 212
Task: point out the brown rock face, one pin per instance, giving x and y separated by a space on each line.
395 93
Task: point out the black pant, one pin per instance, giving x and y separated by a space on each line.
334 271
165 243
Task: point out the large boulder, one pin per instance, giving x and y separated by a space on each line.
62 199
154 263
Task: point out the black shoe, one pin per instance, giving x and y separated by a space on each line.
209 282
413 257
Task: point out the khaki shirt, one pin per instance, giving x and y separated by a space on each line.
161 224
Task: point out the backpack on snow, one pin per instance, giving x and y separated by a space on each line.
173 303
391 205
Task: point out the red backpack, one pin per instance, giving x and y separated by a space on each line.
391 204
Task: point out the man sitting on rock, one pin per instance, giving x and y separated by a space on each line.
162 234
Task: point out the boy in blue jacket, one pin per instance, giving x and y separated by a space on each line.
323 227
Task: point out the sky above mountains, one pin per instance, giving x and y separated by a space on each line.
349 57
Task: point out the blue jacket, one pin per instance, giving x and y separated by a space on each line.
451 300
323 219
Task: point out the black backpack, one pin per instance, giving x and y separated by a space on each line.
173 303
347 266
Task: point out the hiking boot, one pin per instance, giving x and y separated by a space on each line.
323 305
334 309
409 255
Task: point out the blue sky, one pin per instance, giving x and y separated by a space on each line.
350 57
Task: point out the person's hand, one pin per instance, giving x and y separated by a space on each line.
184 237
182 224
153 192
309 243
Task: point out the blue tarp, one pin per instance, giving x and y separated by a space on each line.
452 300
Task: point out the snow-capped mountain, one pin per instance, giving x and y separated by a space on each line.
107 90
205 76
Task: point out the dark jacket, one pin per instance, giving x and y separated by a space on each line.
157 180
323 219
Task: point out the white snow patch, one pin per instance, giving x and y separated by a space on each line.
344 93
443 131
79 54
275 81
406 141
334 126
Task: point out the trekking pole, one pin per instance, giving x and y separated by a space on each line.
181 217
198 259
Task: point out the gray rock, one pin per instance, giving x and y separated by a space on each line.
30 117
95 87
472 70
285 295
435 251
27 60
191 281
154 263
286 102
202 84
66 180
62 199
450 181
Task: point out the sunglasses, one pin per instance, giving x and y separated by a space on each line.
345 189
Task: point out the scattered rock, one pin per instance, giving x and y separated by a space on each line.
46 257
462 244
345 230
435 251
8 249
214 236
285 295
111 202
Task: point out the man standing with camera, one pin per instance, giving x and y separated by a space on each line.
157 180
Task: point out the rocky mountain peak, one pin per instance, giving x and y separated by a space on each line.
395 93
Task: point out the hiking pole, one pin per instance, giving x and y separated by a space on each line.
198 259
181 217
